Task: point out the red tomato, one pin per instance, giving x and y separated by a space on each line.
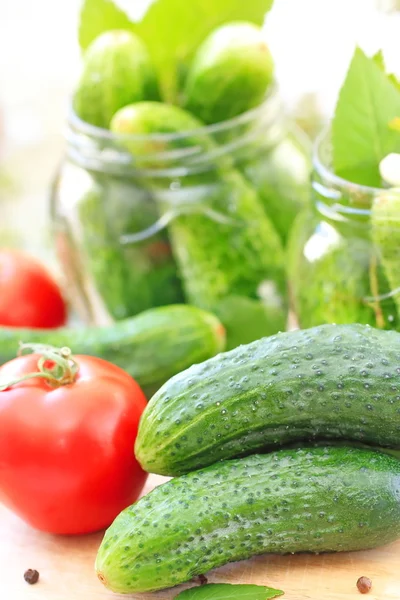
67 462
29 297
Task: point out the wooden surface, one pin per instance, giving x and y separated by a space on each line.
66 569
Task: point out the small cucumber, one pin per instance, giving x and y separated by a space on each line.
385 218
117 70
328 382
129 278
230 73
225 245
303 500
151 347
335 276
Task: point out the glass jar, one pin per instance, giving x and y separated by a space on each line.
144 221
344 250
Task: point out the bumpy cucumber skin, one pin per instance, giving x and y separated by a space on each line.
328 382
336 285
314 500
129 278
226 261
385 218
247 251
224 243
344 443
117 70
230 73
151 347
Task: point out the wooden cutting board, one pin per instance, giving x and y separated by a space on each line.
66 570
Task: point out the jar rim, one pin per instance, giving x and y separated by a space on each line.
328 174
102 134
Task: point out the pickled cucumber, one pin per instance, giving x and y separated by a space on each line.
224 244
133 277
232 73
335 276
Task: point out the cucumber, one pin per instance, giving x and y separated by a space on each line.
329 284
385 218
335 276
129 278
117 70
328 382
230 73
302 500
151 347
225 245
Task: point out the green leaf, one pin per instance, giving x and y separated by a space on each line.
380 61
361 137
98 16
394 80
226 591
171 29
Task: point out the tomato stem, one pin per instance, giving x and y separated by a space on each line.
56 365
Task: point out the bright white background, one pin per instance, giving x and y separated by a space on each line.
312 42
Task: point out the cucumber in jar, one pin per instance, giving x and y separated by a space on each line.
335 276
131 277
232 74
225 245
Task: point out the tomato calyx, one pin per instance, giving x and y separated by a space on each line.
56 365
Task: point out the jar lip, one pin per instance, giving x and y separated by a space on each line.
100 133
327 173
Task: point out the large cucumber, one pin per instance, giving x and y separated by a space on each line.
225 245
117 70
151 347
328 382
312 499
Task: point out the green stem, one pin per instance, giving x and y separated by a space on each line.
6 386
56 365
